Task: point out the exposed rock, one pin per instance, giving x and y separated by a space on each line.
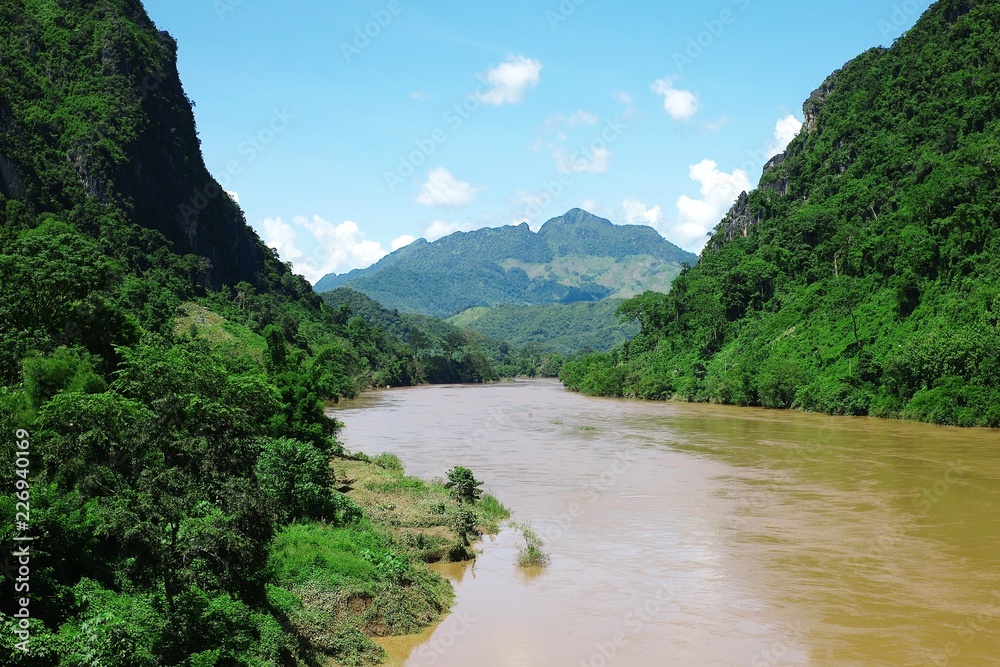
740 219
814 105
11 185
775 183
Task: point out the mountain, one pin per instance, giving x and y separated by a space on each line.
574 258
445 352
167 374
863 275
563 328
117 133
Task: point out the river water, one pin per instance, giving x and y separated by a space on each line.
704 536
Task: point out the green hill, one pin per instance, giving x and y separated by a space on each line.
449 352
563 328
575 258
863 275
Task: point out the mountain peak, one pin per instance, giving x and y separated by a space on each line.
575 257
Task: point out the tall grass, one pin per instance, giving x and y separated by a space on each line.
531 554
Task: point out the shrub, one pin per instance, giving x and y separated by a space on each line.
463 485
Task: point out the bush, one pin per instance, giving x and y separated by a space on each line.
297 480
464 486
388 462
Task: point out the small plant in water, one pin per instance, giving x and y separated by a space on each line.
531 554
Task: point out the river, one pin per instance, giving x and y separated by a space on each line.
704 536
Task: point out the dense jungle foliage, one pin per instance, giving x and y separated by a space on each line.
863 276
170 374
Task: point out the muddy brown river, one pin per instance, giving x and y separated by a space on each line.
704 536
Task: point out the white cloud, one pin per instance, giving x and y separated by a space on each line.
440 228
697 217
402 241
785 130
682 105
334 248
234 195
634 212
421 96
510 80
623 97
594 206
281 237
445 191
594 162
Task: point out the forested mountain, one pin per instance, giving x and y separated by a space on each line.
863 275
565 328
577 257
445 352
167 374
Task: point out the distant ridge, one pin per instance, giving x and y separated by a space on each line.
574 258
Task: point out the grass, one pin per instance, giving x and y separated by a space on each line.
341 585
197 321
531 554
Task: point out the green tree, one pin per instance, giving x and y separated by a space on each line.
464 486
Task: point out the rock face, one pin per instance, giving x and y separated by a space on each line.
132 150
739 222
814 105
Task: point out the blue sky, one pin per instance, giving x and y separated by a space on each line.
348 129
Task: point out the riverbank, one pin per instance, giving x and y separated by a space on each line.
369 578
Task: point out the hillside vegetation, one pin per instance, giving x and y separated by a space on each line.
168 375
575 258
863 275
444 352
564 328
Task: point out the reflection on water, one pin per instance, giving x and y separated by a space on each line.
703 536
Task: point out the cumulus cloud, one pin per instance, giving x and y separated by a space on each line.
634 212
234 195
402 241
510 80
441 228
445 191
280 236
333 248
697 217
785 130
682 105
